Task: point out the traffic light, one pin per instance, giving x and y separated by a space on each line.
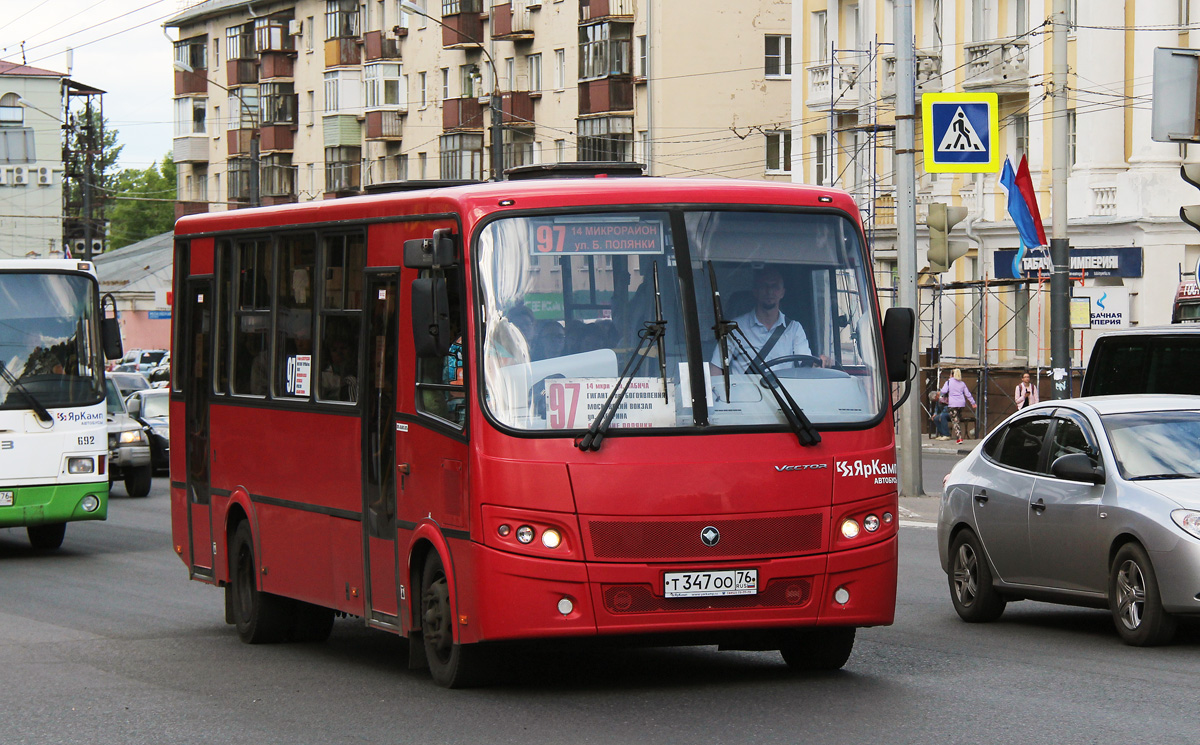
942 251
1190 213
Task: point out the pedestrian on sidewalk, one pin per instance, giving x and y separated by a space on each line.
939 414
957 397
1026 393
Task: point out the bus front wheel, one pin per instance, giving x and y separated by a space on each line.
819 649
260 617
452 665
137 481
46 537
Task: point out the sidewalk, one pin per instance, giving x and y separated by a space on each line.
923 511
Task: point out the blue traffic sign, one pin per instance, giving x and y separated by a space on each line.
961 132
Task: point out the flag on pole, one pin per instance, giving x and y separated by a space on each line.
1022 207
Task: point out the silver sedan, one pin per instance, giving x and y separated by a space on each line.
1092 501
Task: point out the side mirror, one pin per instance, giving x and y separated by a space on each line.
430 317
899 324
427 253
110 329
134 405
1077 467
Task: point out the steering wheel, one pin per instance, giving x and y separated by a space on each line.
805 360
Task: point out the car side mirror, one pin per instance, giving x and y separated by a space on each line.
134 405
1077 467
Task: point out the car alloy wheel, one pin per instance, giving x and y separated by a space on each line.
1131 594
966 575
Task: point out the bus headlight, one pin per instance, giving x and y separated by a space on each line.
525 534
849 529
551 538
81 465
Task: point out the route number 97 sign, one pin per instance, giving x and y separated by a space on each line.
597 235
572 403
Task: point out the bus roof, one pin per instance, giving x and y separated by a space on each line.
47 265
479 199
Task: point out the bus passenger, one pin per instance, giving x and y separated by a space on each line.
770 333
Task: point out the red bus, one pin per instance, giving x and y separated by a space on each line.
528 410
1186 308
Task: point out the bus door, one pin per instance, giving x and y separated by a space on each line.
196 366
379 448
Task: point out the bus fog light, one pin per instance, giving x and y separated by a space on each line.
871 523
841 596
504 530
849 529
525 534
887 518
90 503
551 538
565 606
80 465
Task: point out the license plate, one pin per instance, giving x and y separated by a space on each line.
710 583
6 498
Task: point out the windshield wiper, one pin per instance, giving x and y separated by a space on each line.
1166 476
651 334
725 329
42 412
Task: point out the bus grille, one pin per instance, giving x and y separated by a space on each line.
785 592
680 539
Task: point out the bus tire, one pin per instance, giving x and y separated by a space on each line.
46 537
451 664
819 649
137 481
260 617
311 623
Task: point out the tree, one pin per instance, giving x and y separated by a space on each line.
143 203
87 133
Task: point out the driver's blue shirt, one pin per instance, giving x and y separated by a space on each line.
793 341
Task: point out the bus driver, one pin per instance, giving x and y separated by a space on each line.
770 333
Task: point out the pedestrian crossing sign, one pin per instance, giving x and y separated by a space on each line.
962 132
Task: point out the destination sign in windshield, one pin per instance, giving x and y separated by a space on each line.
597 235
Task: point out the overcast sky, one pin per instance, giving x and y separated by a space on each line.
119 48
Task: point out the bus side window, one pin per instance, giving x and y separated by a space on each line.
441 390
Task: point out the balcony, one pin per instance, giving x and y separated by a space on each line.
462 30
341 130
342 178
241 72
183 208
190 149
276 65
512 21
195 81
239 141
929 74
605 94
343 50
385 125
379 45
590 10
1000 65
517 108
831 87
277 137
462 113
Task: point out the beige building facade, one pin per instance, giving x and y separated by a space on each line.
331 97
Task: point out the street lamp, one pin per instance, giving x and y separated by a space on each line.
255 198
496 129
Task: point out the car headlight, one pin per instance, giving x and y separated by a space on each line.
133 435
1189 520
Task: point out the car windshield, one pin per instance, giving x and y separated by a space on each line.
567 299
1156 444
154 406
49 341
113 399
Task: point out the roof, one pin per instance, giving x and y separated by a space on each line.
209 9
1131 403
18 70
1178 329
144 266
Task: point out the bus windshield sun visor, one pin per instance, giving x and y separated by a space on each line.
726 330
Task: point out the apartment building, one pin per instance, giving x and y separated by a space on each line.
31 169
1129 247
281 101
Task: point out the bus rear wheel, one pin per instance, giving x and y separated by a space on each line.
260 617
819 649
46 537
452 665
137 481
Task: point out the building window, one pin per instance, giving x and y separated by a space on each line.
510 74
779 152
462 156
271 34
820 160
643 58
343 91
469 80
604 50
239 42
192 52
310 110
560 151
244 105
519 148
190 116
560 69
239 179
278 103
534 64
455 7
606 138
1021 135
343 166
341 19
1071 122
423 85
278 175
820 35
445 84
778 58
381 85
310 34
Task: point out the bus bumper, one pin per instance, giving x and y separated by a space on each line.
38 505
520 597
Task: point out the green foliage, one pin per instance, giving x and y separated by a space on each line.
143 203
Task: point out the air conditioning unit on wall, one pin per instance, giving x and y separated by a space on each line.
20 175
45 177
295 27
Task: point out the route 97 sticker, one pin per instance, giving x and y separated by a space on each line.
875 470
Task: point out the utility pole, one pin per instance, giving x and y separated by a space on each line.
1060 248
89 149
908 417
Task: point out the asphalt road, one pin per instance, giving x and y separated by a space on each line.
107 641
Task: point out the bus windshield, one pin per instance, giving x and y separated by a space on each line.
567 297
48 340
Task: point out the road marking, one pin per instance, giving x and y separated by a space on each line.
916 524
